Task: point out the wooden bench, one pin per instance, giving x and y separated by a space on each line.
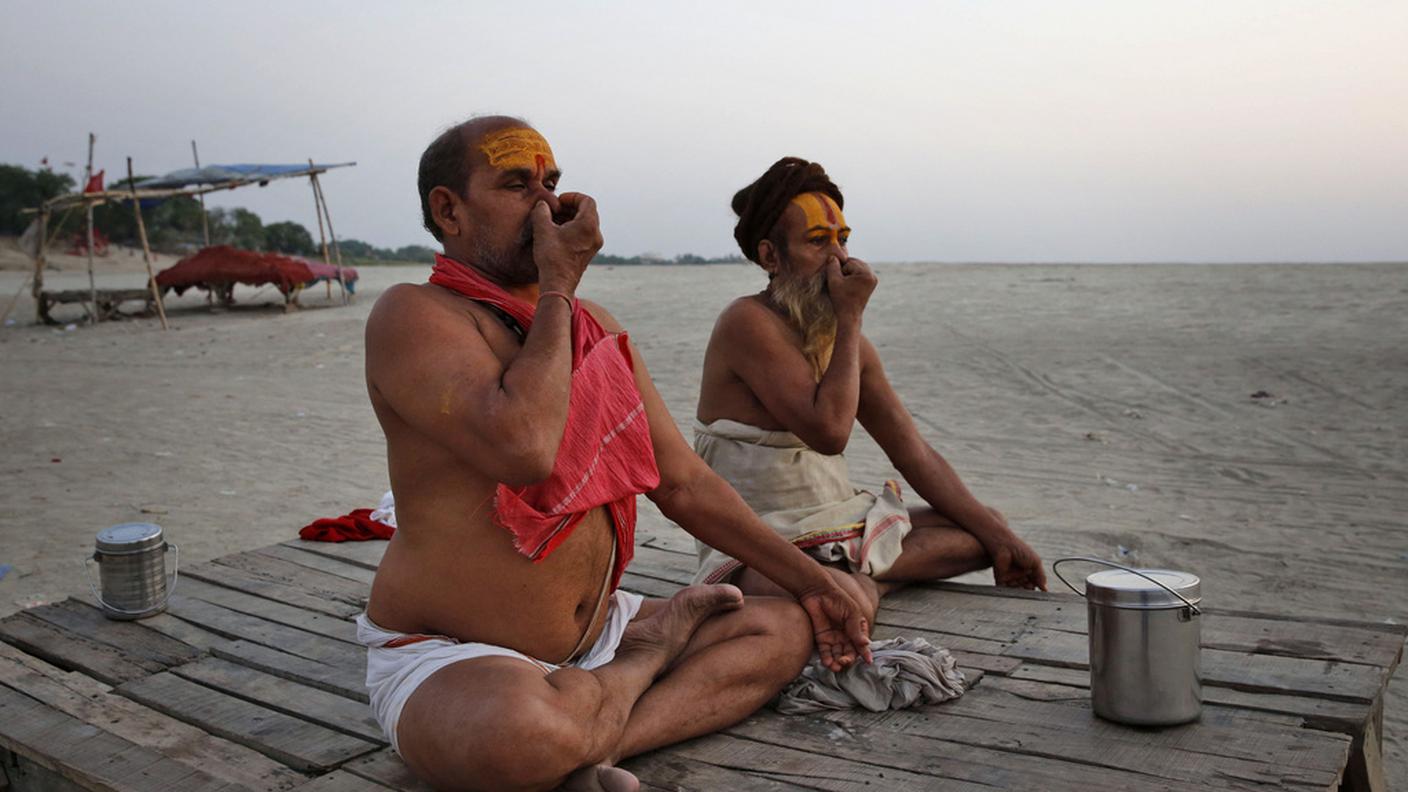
108 305
252 680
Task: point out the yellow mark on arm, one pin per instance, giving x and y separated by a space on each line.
445 401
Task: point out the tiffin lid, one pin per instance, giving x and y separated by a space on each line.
1124 589
129 538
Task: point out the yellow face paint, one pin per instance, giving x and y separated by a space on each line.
823 216
518 148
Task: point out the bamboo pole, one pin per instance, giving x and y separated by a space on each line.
146 250
92 286
336 249
39 255
318 210
204 215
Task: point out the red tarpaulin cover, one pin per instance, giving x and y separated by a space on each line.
224 264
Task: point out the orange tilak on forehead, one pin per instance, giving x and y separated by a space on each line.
821 210
518 148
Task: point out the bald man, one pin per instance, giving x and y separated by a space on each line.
520 426
786 376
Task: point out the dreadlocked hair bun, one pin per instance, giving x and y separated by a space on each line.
760 205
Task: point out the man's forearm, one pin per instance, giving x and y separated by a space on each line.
838 393
711 511
935 480
536 386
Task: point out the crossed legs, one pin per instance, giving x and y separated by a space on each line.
935 548
700 661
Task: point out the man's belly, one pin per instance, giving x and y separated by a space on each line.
468 582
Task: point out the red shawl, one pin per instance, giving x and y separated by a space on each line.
606 457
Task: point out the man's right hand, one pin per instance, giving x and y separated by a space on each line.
562 252
840 631
849 283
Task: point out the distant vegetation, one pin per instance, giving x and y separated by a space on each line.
174 226
683 258
21 188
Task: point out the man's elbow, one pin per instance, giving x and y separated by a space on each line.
829 440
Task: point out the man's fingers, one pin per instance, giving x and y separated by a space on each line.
582 207
541 217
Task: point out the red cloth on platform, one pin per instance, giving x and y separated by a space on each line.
355 527
606 457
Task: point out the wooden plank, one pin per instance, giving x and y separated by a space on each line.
364 554
297 743
315 622
1317 713
1253 756
314 581
1309 639
1345 641
1272 673
278 591
341 781
322 563
1222 732
88 756
386 768
647 586
862 737
92 702
130 637
320 585
342 680
240 626
291 698
662 770
70 651
664 565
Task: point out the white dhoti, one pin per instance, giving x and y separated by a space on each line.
805 496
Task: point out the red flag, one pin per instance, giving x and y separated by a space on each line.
95 184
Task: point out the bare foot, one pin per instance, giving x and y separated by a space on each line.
669 629
600 778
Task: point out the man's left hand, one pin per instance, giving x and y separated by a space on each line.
841 632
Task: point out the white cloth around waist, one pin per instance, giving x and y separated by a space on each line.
395 672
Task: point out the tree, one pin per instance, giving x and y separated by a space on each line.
21 188
289 237
239 227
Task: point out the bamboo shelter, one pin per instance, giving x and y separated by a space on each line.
194 182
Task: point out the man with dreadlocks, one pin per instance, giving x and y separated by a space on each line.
786 376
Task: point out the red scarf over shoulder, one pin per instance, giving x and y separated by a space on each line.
606 457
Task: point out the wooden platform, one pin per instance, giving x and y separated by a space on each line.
253 681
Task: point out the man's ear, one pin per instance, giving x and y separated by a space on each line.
768 258
442 211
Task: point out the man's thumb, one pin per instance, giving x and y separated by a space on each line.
542 216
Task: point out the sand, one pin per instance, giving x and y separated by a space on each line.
1107 410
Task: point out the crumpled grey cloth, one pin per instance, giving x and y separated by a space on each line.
906 672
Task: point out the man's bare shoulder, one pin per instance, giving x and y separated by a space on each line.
603 317
419 307
750 319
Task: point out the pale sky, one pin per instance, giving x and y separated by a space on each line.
959 131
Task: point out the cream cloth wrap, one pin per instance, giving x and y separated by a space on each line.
805 496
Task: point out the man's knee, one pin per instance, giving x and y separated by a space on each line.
786 633
505 741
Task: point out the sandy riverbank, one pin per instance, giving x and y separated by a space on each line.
1106 409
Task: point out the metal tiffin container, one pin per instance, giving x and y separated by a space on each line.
131 561
1145 635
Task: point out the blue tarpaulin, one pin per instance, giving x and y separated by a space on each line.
231 174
